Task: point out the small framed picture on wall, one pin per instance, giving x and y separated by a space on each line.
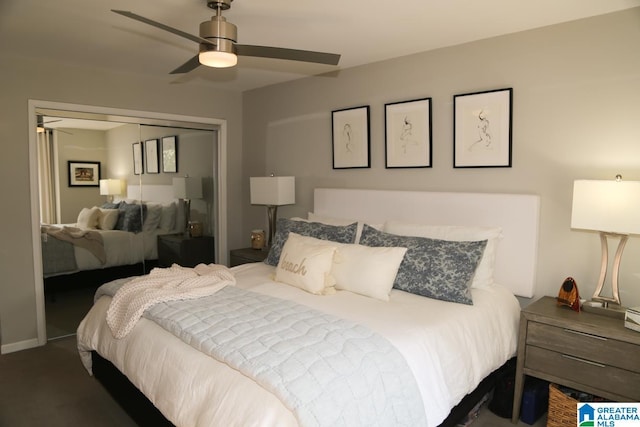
152 155
137 158
83 174
408 134
350 139
482 129
169 154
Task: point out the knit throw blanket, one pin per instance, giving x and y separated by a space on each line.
162 285
90 240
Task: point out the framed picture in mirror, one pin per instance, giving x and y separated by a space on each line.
169 154
152 156
137 158
83 174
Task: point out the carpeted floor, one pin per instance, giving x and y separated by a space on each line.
48 386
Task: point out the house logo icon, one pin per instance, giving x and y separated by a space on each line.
586 415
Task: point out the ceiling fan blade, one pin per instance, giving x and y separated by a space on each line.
60 130
290 54
40 122
163 27
190 65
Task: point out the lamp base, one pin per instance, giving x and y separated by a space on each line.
610 310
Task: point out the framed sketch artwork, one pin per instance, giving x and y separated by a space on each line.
350 138
408 134
137 158
169 154
83 174
482 129
152 156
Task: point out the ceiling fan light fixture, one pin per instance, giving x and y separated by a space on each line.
217 59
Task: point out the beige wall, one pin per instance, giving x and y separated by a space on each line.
85 146
576 107
24 79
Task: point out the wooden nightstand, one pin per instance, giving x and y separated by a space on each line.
246 255
185 251
585 351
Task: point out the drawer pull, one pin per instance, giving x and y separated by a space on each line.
589 362
585 334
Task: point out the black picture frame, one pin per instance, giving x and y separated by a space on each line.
350 138
170 154
83 173
408 134
138 158
482 129
152 156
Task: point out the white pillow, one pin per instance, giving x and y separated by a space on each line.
152 217
305 262
330 220
483 276
367 270
168 217
88 217
107 219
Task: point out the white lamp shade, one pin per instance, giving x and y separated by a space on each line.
110 187
273 190
609 206
187 188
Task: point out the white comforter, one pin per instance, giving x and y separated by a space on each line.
449 347
121 247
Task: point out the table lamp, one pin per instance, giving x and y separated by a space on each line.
613 209
187 188
110 188
272 191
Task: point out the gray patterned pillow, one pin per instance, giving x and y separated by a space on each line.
130 217
432 268
111 205
335 233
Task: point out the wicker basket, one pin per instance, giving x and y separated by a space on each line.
563 409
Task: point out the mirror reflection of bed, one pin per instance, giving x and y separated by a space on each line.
72 271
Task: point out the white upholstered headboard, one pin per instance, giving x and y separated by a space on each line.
517 214
151 193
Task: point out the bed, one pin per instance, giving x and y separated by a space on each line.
450 347
126 229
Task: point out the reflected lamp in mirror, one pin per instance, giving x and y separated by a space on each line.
613 209
111 188
186 189
272 191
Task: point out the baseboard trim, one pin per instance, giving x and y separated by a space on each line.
18 346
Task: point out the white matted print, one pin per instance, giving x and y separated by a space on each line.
350 138
408 134
482 129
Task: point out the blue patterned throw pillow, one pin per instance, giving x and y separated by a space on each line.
433 268
130 217
335 233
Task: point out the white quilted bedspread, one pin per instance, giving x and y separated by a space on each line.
328 371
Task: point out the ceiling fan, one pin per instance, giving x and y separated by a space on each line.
41 125
219 47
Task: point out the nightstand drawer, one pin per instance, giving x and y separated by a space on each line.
584 371
586 346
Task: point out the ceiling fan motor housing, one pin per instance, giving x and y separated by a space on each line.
221 32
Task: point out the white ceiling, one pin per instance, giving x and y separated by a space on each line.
363 31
